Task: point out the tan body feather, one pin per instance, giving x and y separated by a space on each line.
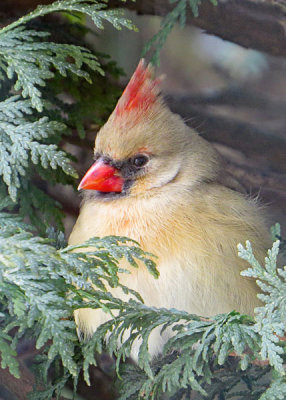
195 236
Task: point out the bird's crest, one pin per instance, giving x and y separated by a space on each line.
141 91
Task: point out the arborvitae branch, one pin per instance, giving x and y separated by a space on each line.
31 129
93 8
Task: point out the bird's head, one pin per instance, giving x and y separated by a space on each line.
144 146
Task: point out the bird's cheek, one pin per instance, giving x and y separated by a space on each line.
102 177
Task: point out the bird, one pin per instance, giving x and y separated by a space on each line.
157 181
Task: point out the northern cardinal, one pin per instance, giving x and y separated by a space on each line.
157 181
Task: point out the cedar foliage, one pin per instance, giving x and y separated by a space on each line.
42 281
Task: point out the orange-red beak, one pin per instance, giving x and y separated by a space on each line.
102 177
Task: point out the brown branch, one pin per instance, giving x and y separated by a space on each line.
258 24
20 388
256 178
239 96
251 139
259 363
256 181
12 8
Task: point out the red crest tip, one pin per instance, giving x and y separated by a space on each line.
141 91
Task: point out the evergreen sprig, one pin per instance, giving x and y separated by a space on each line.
41 286
22 143
271 318
200 346
8 353
33 123
31 62
95 9
177 14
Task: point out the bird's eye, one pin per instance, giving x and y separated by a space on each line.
140 160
